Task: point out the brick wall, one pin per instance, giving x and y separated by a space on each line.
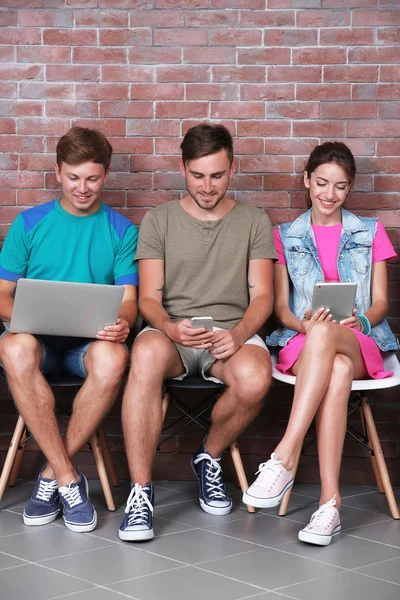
283 75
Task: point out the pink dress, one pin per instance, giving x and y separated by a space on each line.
327 240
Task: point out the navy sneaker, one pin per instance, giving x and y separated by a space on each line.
138 523
213 495
78 512
44 504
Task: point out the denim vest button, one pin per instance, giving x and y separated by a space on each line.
302 255
341 256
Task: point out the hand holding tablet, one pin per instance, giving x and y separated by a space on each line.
338 298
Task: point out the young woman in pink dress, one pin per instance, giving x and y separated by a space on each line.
329 244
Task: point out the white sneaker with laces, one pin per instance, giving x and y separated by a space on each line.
323 525
270 486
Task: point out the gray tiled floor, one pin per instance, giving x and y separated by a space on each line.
198 556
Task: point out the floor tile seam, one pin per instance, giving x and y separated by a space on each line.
108 585
203 562
378 578
378 562
114 514
116 542
375 491
258 587
283 587
360 508
320 562
232 537
97 587
366 525
43 560
42 566
181 562
160 535
369 540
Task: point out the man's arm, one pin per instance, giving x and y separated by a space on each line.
226 343
6 298
127 316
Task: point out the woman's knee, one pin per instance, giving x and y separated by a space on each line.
20 352
343 369
320 336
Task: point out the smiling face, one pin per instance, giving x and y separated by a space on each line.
81 185
207 178
329 185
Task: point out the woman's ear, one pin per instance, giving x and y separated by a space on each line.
306 180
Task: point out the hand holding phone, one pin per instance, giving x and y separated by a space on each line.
202 322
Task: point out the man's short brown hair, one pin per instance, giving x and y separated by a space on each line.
81 144
205 139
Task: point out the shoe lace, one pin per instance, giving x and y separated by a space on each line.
138 506
264 469
214 482
46 489
71 494
319 517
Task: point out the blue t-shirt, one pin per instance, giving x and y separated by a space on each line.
46 242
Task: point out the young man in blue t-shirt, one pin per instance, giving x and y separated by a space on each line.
75 238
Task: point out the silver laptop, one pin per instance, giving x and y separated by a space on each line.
64 308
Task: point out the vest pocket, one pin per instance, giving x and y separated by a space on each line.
300 261
360 257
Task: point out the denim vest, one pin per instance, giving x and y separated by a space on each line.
354 264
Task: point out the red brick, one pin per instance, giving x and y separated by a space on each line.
43 54
351 73
8 89
290 146
294 3
120 163
101 18
180 37
373 201
210 56
19 72
246 182
387 183
70 37
44 91
214 18
330 129
107 126
293 110
80 3
372 17
350 3
237 110
266 164
323 91
364 183
32 197
375 55
249 146
99 55
281 215
347 37
125 37
390 218
71 108
264 56
266 18
114 198
388 148
167 146
212 91
318 56
7 54
123 4
21 108
388 35
154 55
127 73
154 163
129 145
378 91
239 73
267 91
127 110
8 197
348 110
46 18
18 143
19 179
182 3
254 4
377 165
158 91
301 74
129 181
298 200
7 126
37 162
149 198
103 91
235 37
264 199
9 18
153 127
157 18
22 3
373 128
20 35
9 162
360 147
323 18
72 73
185 73
290 37
389 73
389 110
263 128
42 126
181 110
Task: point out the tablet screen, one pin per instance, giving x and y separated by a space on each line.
338 297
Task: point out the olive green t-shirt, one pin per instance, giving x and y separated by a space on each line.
206 262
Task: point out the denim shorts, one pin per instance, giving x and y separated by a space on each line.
63 355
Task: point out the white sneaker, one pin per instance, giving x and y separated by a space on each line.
323 525
270 486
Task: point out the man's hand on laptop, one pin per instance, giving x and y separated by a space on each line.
225 343
183 333
115 333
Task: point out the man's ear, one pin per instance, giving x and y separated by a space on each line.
58 174
306 180
182 167
233 168
107 174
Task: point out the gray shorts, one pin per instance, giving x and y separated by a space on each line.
198 362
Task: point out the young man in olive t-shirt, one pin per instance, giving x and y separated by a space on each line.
203 255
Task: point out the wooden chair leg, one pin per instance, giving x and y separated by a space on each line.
18 459
107 456
380 460
240 473
285 500
98 456
375 469
12 451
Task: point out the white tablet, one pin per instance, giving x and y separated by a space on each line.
338 297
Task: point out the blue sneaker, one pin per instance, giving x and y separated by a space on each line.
78 512
138 523
44 504
213 495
